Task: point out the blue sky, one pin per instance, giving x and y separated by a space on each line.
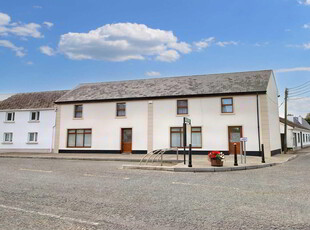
48 45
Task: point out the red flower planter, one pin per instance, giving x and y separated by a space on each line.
217 163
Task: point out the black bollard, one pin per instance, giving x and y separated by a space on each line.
263 154
236 160
190 156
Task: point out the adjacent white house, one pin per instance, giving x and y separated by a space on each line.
27 122
298 132
142 115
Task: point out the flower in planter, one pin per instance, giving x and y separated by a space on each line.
216 155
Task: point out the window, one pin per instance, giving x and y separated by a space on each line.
182 107
8 137
33 137
34 116
196 137
120 109
298 137
10 116
227 105
79 138
78 111
303 138
176 137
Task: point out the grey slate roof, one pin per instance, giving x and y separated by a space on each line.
33 100
304 123
242 82
294 124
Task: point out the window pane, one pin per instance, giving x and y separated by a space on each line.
87 142
182 111
78 114
227 101
71 140
121 113
33 116
196 129
176 129
121 106
175 139
38 115
72 131
196 139
78 111
10 116
8 137
80 131
31 136
227 109
182 103
79 140
36 137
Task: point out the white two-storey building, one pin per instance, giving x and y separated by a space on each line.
142 115
27 122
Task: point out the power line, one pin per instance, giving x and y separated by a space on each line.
299 86
298 94
301 89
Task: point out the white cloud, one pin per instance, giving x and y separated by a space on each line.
227 43
204 43
4 19
19 51
37 7
304 2
260 44
299 107
306 46
48 24
29 63
152 74
306 26
296 69
121 42
47 50
18 28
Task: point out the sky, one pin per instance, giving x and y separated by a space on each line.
54 45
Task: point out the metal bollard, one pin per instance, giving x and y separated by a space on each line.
263 154
236 160
190 156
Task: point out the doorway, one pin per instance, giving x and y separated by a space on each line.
234 135
126 143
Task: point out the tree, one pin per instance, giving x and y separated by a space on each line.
308 118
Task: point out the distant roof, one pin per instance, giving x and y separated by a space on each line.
303 123
293 124
225 83
33 100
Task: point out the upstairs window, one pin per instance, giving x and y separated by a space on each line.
8 137
10 116
34 116
78 111
33 137
120 109
227 105
182 107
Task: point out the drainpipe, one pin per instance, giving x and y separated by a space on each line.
258 124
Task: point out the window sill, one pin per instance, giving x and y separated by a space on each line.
120 117
32 143
7 143
33 121
78 118
9 121
183 115
227 113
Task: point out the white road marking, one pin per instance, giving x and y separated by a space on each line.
35 170
93 175
50 215
205 185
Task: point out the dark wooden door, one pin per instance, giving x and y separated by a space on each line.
234 134
126 140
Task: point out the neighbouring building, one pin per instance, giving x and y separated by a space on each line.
142 115
27 122
298 132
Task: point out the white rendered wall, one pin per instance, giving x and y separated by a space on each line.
290 135
106 127
206 112
21 127
273 114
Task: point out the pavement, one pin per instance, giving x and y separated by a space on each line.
75 195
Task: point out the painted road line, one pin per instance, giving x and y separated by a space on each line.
35 170
205 185
93 175
50 215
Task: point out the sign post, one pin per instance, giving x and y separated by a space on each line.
243 141
186 121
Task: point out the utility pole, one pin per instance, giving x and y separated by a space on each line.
285 121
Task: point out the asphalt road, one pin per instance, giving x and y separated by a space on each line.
63 194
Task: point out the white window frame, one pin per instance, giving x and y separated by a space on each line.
7 115
37 116
10 139
35 137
